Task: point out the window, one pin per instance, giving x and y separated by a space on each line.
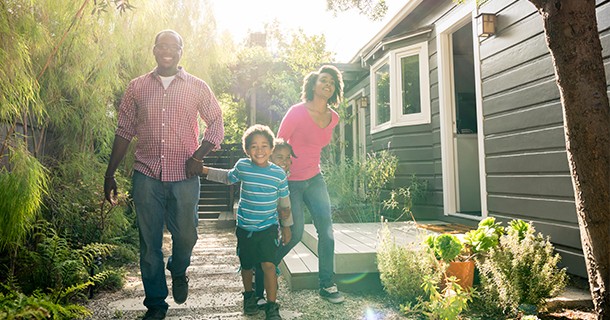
382 103
400 88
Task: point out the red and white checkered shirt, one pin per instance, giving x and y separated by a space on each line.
165 122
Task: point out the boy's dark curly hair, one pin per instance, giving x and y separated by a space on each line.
254 130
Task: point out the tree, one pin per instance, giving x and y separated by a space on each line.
573 40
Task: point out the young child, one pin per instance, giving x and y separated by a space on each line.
263 193
282 156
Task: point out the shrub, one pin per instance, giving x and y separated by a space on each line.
402 269
355 188
522 270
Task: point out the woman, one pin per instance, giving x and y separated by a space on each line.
308 127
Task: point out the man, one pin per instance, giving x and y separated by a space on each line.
161 109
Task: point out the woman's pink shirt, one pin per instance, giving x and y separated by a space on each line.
307 140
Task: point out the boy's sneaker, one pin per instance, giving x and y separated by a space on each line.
261 302
250 307
332 294
272 311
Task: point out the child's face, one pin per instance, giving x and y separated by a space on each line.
281 157
259 150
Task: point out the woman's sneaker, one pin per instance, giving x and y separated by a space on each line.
332 294
272 311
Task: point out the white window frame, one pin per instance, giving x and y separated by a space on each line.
397 118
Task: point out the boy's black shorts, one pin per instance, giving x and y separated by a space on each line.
257 246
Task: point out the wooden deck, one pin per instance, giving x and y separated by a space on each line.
355 254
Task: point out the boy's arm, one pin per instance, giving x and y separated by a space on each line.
284 211
216 174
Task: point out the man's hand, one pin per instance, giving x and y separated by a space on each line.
193 167
286 235
110 190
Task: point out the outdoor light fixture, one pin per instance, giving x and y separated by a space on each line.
364 102
486 24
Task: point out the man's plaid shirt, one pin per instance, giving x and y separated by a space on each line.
165 122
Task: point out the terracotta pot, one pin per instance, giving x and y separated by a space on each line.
463 271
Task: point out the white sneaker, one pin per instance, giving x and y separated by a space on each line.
260 303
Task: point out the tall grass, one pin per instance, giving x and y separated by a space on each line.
23 183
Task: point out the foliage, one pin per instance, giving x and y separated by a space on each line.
447 304
344 179
379 170
485 237
355 187
405 197
234 114
75 206
49 262
275 73
16 305
446 247
374 9
522 270
21 193
402 269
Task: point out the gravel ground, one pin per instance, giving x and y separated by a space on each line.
216 291
302 305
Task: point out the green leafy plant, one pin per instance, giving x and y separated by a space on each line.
446 247
485 237
522 270
355 187
379 169
39 305
403 198
446 304
22 187
403 268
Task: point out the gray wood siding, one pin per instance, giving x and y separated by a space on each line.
526 163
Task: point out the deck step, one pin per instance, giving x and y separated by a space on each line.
355 255
300 268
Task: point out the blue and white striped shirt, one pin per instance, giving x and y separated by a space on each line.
261 187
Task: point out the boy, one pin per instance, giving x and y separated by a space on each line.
263 193
281 156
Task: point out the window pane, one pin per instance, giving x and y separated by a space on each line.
411 101
382 99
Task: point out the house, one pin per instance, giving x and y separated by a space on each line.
478 116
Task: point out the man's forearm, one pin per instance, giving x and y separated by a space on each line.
119 149
203 150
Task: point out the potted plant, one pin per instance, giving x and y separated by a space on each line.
457 258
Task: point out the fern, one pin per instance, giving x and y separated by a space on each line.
16 305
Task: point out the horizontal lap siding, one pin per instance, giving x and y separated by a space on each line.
527 169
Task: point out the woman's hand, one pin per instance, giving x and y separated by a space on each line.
286 235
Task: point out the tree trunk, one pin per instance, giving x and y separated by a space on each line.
573 40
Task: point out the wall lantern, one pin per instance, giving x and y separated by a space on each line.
486 24
364 102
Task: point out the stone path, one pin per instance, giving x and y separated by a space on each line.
214 287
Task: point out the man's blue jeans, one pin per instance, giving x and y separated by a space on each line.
313 193
158 203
